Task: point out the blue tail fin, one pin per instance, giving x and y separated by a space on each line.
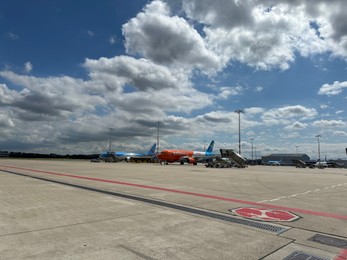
210 148
152 150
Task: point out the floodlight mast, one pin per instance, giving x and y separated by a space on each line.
318 136
252 149
239 111
158 137
110 144
297 153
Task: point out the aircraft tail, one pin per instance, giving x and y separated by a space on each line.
152 150
210 148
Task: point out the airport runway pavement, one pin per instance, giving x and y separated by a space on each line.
83 210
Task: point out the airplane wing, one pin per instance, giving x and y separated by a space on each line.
194 159
188 159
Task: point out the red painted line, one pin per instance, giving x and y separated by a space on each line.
298 210
342 255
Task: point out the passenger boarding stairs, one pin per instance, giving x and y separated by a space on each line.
237 159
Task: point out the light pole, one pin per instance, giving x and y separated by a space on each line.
252 150
318 136
239 111
297 154
110 144
158 137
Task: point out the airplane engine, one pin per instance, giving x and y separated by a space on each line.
192 161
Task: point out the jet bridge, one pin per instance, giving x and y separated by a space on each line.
237 159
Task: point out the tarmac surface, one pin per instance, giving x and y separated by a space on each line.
51 209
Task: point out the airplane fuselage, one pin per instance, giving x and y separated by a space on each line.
174 155
182 156
121 156
171 156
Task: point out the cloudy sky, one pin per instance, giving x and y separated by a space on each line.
72 70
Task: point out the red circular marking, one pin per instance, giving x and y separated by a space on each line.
265 214
282 215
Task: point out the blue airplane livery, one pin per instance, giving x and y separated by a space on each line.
124 156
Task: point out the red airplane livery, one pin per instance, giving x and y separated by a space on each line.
170 156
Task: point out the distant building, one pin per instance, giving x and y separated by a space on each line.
284 158
4 154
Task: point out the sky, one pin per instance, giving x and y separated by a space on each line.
75 73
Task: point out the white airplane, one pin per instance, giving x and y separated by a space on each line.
321 164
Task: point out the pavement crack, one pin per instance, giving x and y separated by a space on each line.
136 252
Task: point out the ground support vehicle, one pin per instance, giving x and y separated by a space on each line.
299 163
228 158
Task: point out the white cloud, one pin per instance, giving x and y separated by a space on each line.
5 120
44 97
329 18
28 67
295 126
113 40
269 35
226 92
224 13
340 133
289 112
12 36
168 40
220 123
125 93
7 95
216 117
333 23
332 90
140 85
329 123
261 36
254 110
259 89
139 73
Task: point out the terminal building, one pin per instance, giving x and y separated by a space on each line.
284 158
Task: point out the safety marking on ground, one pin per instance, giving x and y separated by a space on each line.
303 193
277 198
275 228
265 214
342 255
264 205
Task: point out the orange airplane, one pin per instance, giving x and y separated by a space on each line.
170 156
